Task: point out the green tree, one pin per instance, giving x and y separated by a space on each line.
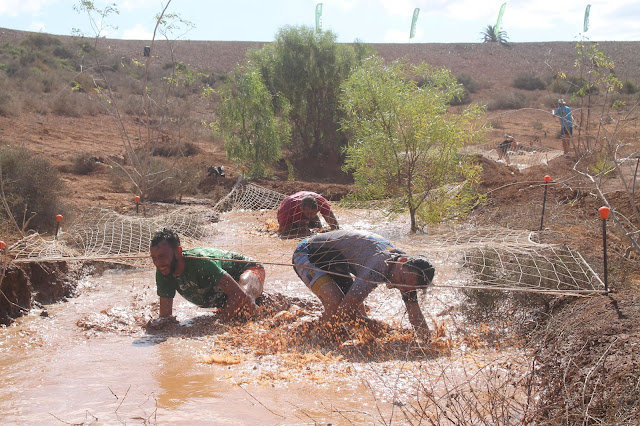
490 35
248 122
307 67
405 144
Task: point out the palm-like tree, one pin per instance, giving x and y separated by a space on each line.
490 35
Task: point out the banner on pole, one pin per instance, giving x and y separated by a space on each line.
416 12
319 17
586 18
499 21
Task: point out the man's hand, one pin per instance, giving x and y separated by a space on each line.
160 323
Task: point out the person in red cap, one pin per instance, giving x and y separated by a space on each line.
298 213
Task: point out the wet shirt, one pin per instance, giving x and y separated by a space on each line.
202 270
290 210
362 254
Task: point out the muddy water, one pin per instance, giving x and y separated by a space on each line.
91 361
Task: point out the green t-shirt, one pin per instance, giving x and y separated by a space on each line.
198 282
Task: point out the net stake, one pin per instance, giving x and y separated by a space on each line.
547 179
58 220
137 200
604 214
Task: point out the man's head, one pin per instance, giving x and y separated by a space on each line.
165 251
412 273
561 102
309 206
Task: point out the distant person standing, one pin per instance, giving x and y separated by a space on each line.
563 112
504 147
298 213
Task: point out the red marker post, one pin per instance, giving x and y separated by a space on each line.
58 220
604 214
137 200
547 179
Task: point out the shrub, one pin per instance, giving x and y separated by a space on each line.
32 187
572 85
528 82
469 83
629 87
66 103
168 182
507 101
83 164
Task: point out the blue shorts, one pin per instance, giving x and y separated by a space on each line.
307 272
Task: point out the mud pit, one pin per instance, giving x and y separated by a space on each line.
91 359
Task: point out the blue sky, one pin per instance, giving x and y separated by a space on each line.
372 21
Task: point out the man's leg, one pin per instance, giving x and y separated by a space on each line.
252 282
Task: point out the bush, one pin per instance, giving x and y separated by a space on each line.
32 187
83 164
508 101
572 85
629 87
528 82
168 182
469 83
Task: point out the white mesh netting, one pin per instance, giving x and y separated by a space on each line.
495 258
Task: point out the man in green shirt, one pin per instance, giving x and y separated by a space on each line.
207 277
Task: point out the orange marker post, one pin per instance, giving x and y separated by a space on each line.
3 245
547 179
58 220
137 200
604 215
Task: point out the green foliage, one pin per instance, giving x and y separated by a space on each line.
252 131
306 68
490 35
528 82
603 166
404 143
31 187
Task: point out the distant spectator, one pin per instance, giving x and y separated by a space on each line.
563 112
298 213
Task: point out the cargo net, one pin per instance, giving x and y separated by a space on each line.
514 260
247 196
519 156
101 234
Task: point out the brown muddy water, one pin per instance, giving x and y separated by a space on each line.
91 361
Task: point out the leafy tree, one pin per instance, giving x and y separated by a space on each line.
490 35
405 144
248 122
307 67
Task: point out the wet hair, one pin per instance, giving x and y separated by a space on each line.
310 202
168 235
420 266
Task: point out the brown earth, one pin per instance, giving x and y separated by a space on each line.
595 341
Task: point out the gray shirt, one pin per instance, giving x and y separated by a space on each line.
360 253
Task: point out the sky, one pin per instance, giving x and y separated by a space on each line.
369 21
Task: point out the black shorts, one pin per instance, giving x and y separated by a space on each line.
566 131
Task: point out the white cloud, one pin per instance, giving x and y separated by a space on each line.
139 32
14 8
396 36
37 27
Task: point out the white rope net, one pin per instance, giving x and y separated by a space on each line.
521 157
488 258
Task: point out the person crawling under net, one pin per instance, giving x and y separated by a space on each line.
342 267
207 277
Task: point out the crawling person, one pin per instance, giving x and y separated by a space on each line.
207 277
343 267
298 213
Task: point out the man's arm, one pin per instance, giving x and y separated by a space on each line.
416 318
165 317
331 220
237 299
350 306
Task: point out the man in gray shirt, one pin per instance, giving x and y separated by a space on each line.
343 267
